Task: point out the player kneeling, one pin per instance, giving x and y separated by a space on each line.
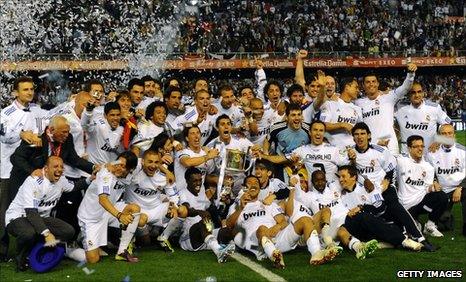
148 191
100 208
197 231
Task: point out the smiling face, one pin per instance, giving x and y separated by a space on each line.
257 108
312 89
136 93
295 119
248 93
119 169
416 95
416 149
194 183
159 116
319 181
330 85
252 187
152 89
228 98
174 101
263 174
151 163
352 89
317 133
371 86
54 169
347 181
113 118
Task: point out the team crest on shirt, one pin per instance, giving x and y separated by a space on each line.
457 161
377 102
424 174
372 162
363 198
427 117
335 194
90 243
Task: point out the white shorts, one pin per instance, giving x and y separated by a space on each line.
287 239
156 216
335 223
95 231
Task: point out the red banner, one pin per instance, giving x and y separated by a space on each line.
203 64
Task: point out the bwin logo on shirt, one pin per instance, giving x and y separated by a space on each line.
246 216
351 120
418 182
414 126
48 203
108 148
366 169
145 193
304 209
372 112
329 205
451 170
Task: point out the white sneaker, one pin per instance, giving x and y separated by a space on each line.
225 252
411 244
431 229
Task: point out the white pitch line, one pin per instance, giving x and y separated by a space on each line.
267 274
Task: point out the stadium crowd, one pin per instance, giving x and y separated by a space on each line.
109 28
258 168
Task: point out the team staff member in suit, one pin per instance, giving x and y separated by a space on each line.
56 141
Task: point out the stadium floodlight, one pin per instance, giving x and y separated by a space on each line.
192 2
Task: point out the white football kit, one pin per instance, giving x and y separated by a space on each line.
323 157
14 119
422 121
378 113
449 165
93 218
37 193
189 118
146 131
340 111
414 180
104 143
263 127
180 170
148 193
374 163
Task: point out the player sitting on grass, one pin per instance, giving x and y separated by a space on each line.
101 208
197 231
326 222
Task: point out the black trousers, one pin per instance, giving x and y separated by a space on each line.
463 203
366 226
4 239
434 204
26 236
398 214
67 207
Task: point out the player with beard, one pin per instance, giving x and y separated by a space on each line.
197 115
172 99
379 166
225 141
197 231
378 108
226 106
148 188
101 208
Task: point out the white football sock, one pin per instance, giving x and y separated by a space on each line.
77 254
354 244
212 243
313 242
172 226
128 234
326 237
268 246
